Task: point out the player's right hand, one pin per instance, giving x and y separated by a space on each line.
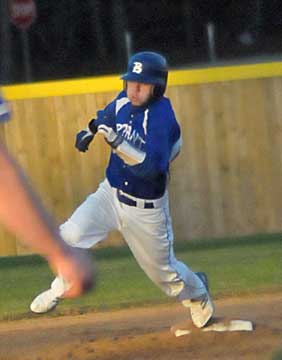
83 139
76 268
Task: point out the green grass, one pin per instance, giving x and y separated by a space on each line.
235 266
277 355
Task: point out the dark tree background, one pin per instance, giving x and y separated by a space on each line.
74 38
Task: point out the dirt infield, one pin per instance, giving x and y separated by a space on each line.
144 333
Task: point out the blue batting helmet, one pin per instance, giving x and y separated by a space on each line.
150 68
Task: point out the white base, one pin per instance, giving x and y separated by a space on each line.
219 325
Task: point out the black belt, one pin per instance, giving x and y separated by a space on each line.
130 202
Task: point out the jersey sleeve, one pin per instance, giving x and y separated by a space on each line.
163 133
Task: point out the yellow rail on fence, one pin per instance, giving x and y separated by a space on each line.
113 83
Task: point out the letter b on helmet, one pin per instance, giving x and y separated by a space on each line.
137 67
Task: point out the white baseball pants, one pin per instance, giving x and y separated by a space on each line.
148 233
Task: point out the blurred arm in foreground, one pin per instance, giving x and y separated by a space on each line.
21 212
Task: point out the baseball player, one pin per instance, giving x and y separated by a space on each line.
140 127
21 213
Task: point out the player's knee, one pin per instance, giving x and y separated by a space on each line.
70 233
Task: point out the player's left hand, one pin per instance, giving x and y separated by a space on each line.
109 134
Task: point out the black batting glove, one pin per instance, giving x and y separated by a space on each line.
84 137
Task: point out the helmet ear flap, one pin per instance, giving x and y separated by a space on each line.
158 91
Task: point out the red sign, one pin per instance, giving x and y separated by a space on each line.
22 13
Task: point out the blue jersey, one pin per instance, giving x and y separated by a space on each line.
4 110
153 129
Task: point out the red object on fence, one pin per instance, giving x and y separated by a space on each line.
22 13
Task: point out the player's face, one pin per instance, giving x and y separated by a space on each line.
139 93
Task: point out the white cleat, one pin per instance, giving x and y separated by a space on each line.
49 299
201 308
44 302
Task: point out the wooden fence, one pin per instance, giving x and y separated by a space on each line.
226 182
